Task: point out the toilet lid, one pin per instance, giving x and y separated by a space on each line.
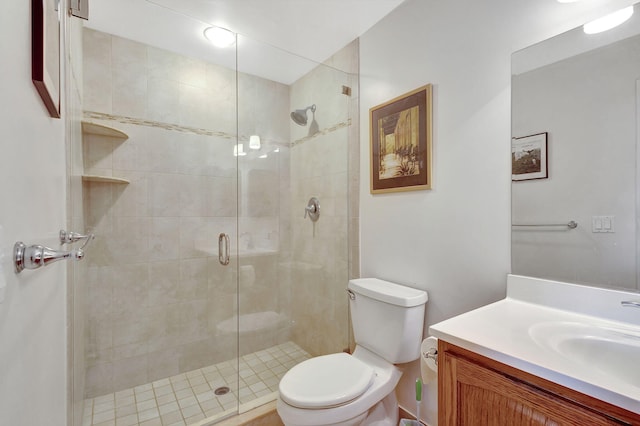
326 381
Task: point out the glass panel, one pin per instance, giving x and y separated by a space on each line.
292 271
158 302
211 150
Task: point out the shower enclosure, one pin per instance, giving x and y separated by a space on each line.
207 280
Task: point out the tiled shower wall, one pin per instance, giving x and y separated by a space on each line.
324 165
156 292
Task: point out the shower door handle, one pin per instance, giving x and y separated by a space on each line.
223 249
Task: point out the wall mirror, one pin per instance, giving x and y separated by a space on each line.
581 91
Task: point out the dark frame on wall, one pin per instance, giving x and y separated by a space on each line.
45 52
529 157
400 136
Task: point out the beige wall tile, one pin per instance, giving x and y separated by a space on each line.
162 100
164 195
164 234
97 71
163 64
193 107
164 283
129 74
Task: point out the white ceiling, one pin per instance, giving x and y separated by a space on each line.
277 39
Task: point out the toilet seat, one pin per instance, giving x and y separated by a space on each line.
326 381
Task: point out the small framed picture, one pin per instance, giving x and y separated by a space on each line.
400 131
529 157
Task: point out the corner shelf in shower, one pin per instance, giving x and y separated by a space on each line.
91 128
104 179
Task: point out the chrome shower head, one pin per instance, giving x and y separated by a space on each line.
299 116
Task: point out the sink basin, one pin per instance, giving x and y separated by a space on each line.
613 351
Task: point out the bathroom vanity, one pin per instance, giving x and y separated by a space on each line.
549 353
474 389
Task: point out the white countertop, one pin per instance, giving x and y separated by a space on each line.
503 331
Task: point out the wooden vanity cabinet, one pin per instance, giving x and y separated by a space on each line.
474 390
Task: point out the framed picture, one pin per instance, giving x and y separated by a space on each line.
529 157
45 52
401 142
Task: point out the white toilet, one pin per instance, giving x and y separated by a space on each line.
342 389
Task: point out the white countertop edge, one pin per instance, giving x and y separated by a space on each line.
597 392
564 301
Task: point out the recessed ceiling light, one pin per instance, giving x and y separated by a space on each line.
220 37
609 21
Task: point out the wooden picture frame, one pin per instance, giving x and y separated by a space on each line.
529 157
400 137
45 52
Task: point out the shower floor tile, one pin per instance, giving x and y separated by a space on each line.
189 398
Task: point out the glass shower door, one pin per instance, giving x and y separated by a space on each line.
292 271
175 330
159 313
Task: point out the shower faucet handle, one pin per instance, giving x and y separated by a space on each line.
312 209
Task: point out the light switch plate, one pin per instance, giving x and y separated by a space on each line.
602 224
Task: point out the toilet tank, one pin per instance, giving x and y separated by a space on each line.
387 318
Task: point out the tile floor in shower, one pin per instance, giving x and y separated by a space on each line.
189 398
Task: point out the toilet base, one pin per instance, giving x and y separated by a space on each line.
378 406
384 413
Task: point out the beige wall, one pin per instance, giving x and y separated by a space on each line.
33 317
453 240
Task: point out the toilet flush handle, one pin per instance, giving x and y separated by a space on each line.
352 295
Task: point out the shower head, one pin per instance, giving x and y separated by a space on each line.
299 116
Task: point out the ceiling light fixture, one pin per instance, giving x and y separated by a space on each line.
219 37
609 21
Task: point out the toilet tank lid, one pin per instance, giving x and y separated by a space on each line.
388 292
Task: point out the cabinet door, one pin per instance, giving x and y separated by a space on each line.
475 395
